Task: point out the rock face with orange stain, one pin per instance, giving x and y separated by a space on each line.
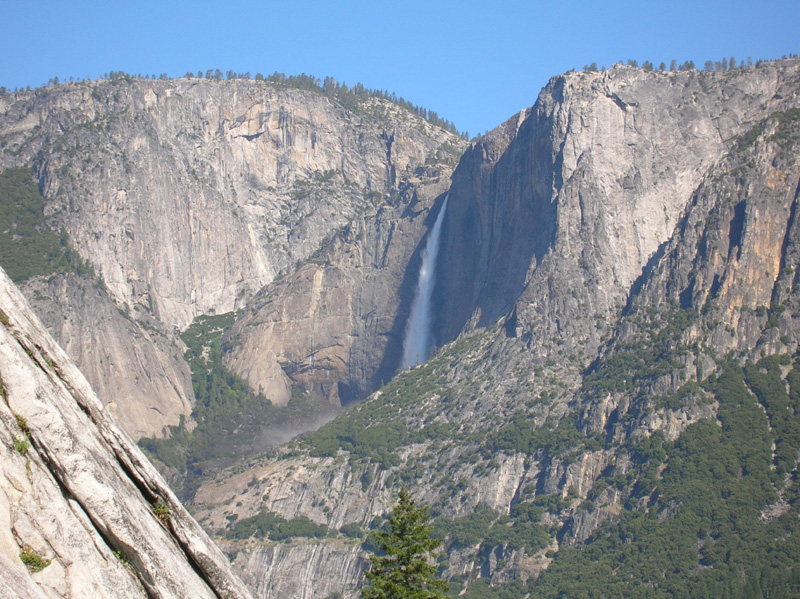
735 257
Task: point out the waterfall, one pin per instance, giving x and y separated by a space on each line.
417 341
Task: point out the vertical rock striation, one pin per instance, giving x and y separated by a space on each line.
190 195
335 327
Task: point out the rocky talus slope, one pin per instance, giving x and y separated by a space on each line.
616 286
82 511
188 196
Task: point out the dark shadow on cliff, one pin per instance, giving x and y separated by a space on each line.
501 220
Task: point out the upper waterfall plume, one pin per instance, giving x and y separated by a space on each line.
417 340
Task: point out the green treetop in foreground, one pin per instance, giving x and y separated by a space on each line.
405 571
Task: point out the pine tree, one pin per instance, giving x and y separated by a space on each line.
404 572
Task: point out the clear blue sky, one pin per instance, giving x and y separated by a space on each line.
475 63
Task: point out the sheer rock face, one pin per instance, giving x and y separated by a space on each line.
188 196
138 371
559 210
76 491
307 570
735 258
196 193
733 261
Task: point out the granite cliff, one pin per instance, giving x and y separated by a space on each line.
584 188
335 326
616 388
83 513
187 197
617 274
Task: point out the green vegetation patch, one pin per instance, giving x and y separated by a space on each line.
712 514
353 97
764 379
28 245
376 429
522 435
34 561
161 510
487 528
228 414
352 531
22 423
786 130
697 529
655 351
273 526
127 564
22 445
